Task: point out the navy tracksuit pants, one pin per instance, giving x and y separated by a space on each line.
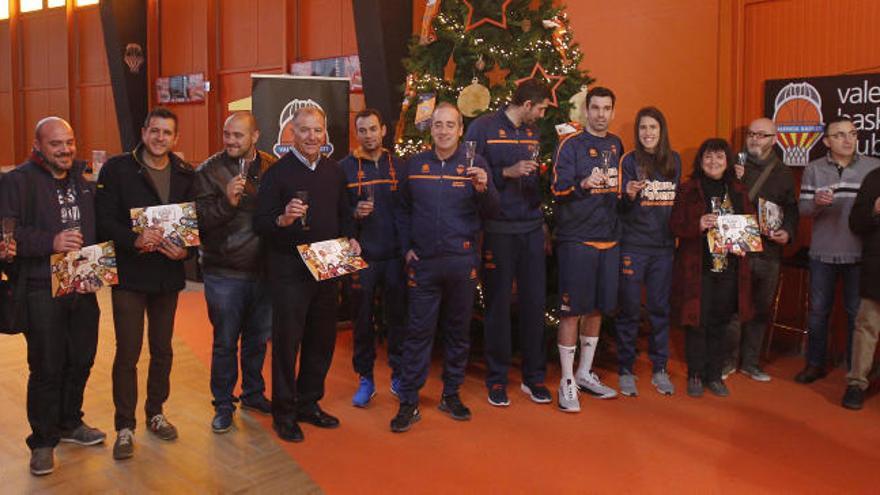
440 290
386 277
654 272
507 257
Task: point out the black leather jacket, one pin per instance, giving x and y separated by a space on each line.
229 245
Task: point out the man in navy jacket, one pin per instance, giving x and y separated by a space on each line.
442 196
371 172
514 244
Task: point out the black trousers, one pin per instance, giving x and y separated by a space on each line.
705 344
304 325
62 338
128 319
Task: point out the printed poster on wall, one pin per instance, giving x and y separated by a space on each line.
277 97
801 107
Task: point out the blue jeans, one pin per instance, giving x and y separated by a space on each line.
237 308
823 279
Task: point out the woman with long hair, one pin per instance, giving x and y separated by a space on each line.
708 288
651 175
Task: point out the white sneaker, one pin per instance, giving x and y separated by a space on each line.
568 397
591 384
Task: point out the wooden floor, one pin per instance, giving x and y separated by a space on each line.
777 437
247 459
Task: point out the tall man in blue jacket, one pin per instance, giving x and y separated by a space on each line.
513 246
588 231
441 199
151 273
371 172
54 208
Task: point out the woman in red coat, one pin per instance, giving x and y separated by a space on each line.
708 289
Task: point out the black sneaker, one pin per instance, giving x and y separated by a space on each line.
406 416
257 403
42 461
537 392
498 395
83 435
718 388
853 398
222 421
452 405
810 374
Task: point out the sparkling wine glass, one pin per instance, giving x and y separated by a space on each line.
606 164
470 152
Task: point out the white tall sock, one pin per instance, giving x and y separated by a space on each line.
566 361
588 350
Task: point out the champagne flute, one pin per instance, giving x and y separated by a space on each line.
642 178
303 196
470 152
715 202
741 157
606 164
244 166
370 193
8 234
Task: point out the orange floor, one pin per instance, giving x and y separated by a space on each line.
764 438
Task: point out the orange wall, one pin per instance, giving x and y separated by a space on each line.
62 71
259 36
664 53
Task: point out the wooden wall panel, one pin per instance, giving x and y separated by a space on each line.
790 39
666 55
91 55
270 33
183 50
7 119
326 41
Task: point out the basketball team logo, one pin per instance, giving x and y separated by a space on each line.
285 126
798 117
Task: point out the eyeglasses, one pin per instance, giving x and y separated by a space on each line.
843 135
758 135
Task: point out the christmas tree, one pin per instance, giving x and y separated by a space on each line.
473 53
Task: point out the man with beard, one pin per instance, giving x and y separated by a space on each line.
150 268
514 243
371 172
238 301
54 208
767 178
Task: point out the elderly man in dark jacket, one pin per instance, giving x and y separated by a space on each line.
864 220
231 255
150 271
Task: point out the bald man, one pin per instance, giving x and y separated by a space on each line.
768 179
231 255
54 209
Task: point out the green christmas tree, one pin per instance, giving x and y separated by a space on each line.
493 44
473 52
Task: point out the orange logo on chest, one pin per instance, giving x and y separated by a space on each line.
459 169
593 153
426 168
502 133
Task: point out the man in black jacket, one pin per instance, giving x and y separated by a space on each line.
54 208
767 178
303 310
150 270
231 257
864 220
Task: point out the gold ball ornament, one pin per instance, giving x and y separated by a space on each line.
480 64
474 99
576 114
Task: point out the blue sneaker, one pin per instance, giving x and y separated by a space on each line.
366 391
395 387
